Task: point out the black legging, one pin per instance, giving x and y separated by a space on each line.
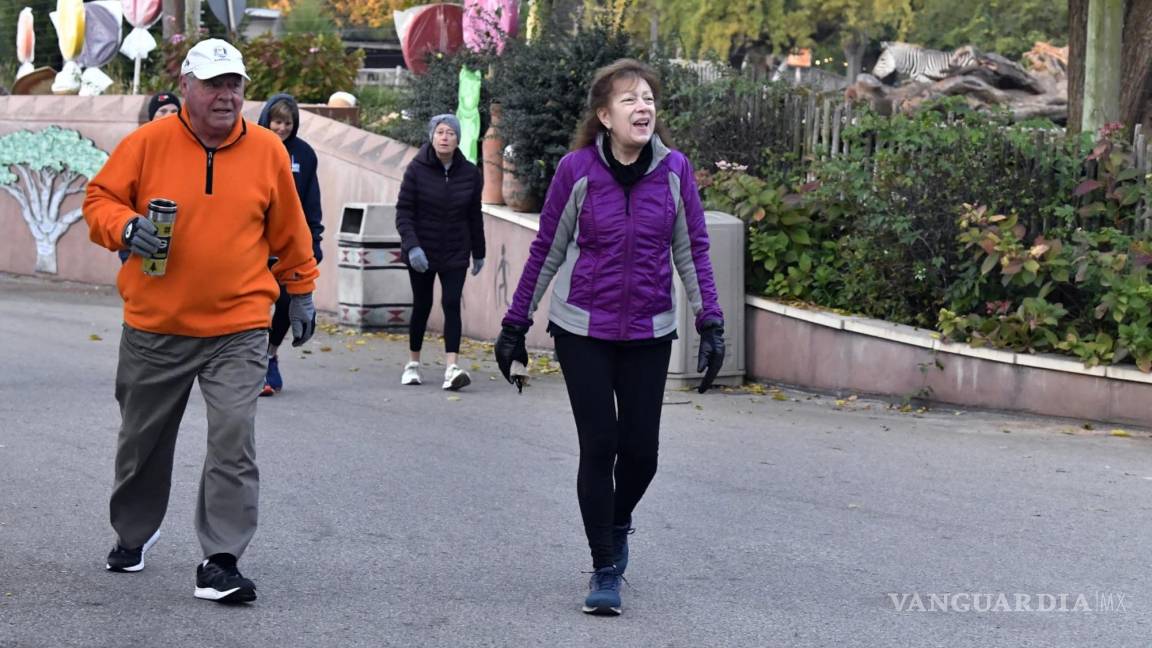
616 392
451 288
280 322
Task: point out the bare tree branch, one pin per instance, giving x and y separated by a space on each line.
69 189
20 198
47 179
33 207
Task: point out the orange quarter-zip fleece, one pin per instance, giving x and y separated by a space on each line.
236 207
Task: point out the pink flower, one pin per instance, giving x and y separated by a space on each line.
176 39
313 50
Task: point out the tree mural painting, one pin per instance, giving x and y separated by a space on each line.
40 169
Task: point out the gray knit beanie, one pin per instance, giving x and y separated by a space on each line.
446 118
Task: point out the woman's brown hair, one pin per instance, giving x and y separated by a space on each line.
600 93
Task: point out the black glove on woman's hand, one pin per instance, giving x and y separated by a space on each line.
711 354
509 348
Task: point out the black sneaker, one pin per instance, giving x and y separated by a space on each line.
218 579
122 559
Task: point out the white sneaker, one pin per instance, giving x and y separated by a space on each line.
455 378
411 374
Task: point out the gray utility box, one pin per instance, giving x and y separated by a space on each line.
373 290
726 239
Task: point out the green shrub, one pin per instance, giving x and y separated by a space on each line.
791 253
1080 287
542 87
897 192
380 107
435 92
309 67
735 119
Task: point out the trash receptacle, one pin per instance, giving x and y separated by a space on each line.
373 291
726 250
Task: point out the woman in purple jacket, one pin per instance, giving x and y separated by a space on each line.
622 209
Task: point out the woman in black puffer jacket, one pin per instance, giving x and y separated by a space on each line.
441 227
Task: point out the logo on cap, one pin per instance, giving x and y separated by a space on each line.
220 53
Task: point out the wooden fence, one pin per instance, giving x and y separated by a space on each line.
766 128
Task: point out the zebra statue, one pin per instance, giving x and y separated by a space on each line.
919 64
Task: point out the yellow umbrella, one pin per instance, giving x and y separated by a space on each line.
70 27
69 21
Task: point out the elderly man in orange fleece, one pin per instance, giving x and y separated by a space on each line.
207 317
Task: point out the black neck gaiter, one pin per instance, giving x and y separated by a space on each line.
627 174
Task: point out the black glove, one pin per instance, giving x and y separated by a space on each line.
510 348
140 237
711 354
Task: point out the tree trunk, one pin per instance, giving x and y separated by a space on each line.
45 255
173 21
854 54
1136 73
192 9
1077 46
1102 63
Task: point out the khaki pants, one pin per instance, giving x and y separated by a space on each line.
153 381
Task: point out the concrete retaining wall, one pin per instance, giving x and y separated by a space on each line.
823 350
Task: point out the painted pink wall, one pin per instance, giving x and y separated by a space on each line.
355 166
796 352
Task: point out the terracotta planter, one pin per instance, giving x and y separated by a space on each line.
516 195
492 152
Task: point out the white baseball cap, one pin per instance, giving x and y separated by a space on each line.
212 57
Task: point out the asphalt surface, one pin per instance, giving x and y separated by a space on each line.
409 516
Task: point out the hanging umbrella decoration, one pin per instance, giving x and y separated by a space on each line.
25 42
69 22
101 41
229 13
490 23
141 14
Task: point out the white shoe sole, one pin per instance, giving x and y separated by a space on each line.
608 611
227 596
410 381
144 550
459 382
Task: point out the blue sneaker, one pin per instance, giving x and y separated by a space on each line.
620 546
604 597
273 378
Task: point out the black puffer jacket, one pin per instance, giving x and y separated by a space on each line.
439 210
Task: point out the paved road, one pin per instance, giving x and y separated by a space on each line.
410 517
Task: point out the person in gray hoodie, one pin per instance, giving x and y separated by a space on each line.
281 115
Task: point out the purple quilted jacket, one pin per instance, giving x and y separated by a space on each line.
610 251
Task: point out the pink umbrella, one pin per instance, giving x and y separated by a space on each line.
25 42
490 22
141 14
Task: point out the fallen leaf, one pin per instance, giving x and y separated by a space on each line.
95 338
1120 433
453 398
841 403
778 396
354 369
699 407
361 342
325 349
